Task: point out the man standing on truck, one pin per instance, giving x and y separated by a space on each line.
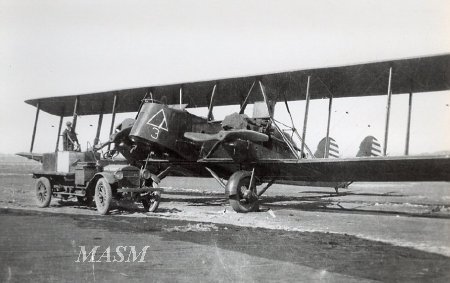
70 139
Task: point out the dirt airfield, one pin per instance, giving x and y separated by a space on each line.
401 231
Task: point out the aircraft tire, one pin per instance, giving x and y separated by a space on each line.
103 196
43 192
237 201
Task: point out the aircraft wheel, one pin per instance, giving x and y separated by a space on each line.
103 196
246 198
43 192
151 201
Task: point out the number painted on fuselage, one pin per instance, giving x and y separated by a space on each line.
159 122
155 133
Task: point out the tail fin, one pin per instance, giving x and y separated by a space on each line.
333 149
369 147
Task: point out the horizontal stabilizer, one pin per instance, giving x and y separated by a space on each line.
369 147
33 156
227 135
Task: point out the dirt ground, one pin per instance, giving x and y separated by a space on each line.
381 231
45 247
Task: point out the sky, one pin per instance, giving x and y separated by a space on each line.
53 48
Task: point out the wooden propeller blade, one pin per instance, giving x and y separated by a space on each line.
227 135
201 137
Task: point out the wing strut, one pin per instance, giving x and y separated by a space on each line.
211 105
99 127
142 102
38 108
330 108
294 129
408 126
59 130
388 112
113 117
75 115
327 141
288 142
305 120
244 104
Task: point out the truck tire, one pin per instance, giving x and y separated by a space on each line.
43 192
103 196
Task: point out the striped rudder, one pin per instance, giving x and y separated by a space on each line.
369 147
333 150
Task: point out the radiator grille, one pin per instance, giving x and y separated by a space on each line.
130 178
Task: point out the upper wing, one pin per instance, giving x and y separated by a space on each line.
409 75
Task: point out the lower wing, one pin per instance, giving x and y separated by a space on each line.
365 169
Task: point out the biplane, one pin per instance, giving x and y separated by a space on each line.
252 152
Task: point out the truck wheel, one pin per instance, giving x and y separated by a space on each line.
246 198
103 196
151 201
43 192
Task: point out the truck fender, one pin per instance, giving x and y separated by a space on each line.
91 185
231 187
107 175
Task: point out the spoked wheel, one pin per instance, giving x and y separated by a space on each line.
246 198
43 192
103 196
151 201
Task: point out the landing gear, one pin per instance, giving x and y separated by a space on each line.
151 201
343 186
242 192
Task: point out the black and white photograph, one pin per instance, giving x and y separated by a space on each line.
224 141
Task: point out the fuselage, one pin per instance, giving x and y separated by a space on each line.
160 130
162 127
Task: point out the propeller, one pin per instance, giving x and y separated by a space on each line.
227 135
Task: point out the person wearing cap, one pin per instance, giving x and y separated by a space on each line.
70 139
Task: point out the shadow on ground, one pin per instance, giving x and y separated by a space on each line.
340 253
